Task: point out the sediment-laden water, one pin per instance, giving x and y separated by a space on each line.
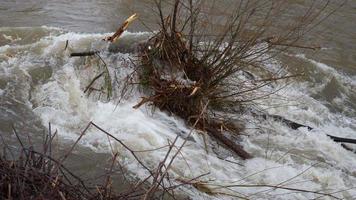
41 84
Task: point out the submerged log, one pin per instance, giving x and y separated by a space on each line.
295 125
238 149
343 140
291 124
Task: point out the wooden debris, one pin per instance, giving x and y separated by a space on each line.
295 125
122 28
238 149
66 45
194 91
83 54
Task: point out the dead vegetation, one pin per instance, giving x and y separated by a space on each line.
193 67
196 66
35 174
207 54
29 173
196 59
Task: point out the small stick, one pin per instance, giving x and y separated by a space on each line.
67 42
92 82
122 28
82 54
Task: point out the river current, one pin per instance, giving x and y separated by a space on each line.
41 84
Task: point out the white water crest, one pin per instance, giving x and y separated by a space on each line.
303 159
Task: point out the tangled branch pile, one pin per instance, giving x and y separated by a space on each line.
207 54
27 173
29 178
36 175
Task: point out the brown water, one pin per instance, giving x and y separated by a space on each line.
38 85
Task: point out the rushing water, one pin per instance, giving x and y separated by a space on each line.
41 84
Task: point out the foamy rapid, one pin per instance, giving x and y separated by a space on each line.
307 160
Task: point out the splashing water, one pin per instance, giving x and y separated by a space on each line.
41 83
